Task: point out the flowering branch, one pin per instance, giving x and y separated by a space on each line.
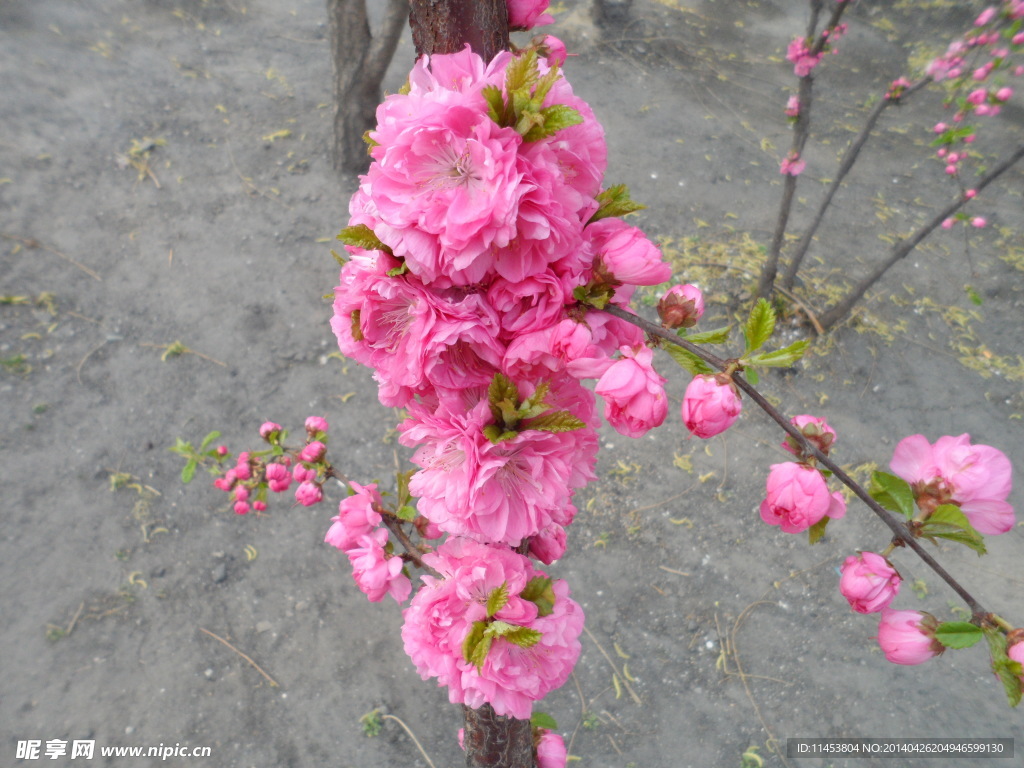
899 529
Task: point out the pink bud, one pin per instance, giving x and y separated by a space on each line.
969 138
556 52
681 306
985 17
797 498
259 506
1018 71
313 452
978 221
308 494
977 96
1016 649
633 392
951 170
942 152
970 194
710 407
316 424
241 493
1004 94
278 477
242 469
268 428
868 582
301 473
908 637
793 107
1018 39
947 223
551 752
241 507
222 450
940 127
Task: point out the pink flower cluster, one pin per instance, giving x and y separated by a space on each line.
255 473
531 632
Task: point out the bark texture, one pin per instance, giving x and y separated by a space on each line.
445 26
493 741
360 60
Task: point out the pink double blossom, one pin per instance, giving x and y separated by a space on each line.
627 253
526 14
800 55
634 393
308 493
868 582
908 637
357 517
375 571
710 406
978 478
551 752
798 498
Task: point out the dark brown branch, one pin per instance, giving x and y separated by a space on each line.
494 741
895 525
445 26
842 309
852 153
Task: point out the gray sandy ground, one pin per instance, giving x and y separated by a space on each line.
223 246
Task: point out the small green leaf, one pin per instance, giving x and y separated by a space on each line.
752 376
760 325
406 512
361 236
534 405
524 637
208 439
1007 670
540 592
543 720
496 434
495 104
973 295
688 361
522 72
615 201
477 644
948 522
189 471
553 119
817 531
780 358
401 269
497 600
893 493
556 421
717 336
958 634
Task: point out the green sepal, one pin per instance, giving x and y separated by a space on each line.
893 493
717 336
958 634
553 119
361 236
555 421
189 471
405 512
780 358
948 522
208 439
760 325
370 142
498 599
543 720
401 269
342 261
540 592
817 531
615 201
689 361
1006 669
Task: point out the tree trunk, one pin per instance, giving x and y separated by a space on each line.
360 61
445 26
493 741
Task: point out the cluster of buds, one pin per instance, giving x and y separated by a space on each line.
274 469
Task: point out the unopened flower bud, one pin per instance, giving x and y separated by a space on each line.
908 637
316 424
308 494
710 406
682 306
241 507
313 452
270 431
868 582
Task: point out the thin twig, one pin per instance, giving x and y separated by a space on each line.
412 736
30 242
256 666
615 670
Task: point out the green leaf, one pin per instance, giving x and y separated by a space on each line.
189 471
496 109
534 405
760 325
893 493
497 600
208 439
182 448
503 396
553 119
401 269
406 512
540 592
543 720
361 236
522 72
717 336
752 376
615 201
948 522
958 634
973 295
402 485
496 434
1007 670
556 421
524 637
780 358
817 531
477 644
688 361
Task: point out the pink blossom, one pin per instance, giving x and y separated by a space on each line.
243 471
241 493
551 752
978 478
800 55
792 165
556 52
259 506
709 406
948 223
627 253
970 194
985 16
241 507
634 393
308 494
978 221
682 306
313 452
793 106
268 428
940 127
376 573
908 637
442 614
357 517
315 424
278 477
526 14
549 544
798 498
869 582
302 473
1016 653
977 96
1004 94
